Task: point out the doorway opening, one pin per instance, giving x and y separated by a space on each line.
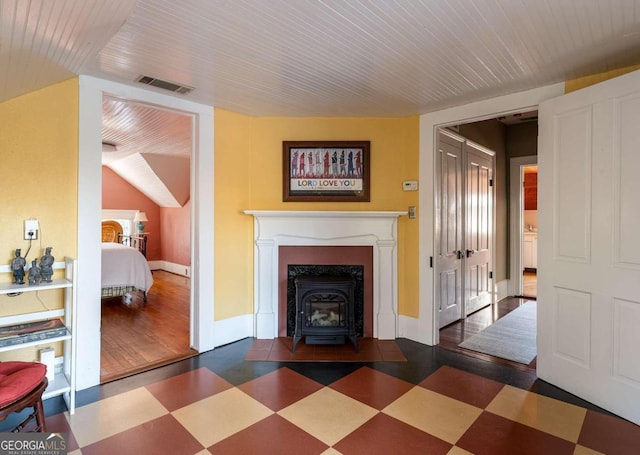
146 169
203 331
509 135
530 231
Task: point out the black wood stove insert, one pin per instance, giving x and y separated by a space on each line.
325 310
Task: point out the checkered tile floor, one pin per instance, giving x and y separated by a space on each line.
436 403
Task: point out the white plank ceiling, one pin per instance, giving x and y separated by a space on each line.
318 57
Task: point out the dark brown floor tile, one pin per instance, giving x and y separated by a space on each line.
280 388
372 387
58 423
385 435
262 344
187 388
259 350
610 435
273 435
387 345
462 386
494 435
160 436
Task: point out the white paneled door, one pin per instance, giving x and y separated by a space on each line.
464 220
449 243
478 227
589 247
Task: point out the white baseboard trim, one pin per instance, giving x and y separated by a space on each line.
502 290
409 328
233 329
171 267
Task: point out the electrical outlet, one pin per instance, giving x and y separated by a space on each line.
31 229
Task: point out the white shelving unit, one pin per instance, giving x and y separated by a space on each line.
64 382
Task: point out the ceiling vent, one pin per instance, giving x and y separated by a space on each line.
166 85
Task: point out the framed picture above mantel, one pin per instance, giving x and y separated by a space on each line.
325 171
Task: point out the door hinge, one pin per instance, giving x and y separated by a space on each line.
490 275
490 182
431 261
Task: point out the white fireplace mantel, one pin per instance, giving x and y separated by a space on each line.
273 228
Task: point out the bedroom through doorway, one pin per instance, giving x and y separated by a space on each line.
146 162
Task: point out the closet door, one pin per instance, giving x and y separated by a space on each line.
449 229
478 227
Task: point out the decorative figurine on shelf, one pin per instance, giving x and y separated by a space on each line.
34 273
17 267
46 265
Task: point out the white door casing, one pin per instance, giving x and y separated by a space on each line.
424 328
91 91
589 253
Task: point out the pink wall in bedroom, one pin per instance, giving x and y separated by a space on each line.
175 225
118 194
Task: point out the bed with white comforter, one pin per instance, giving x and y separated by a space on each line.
124 269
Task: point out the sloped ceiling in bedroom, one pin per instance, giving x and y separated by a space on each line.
150 148
173 172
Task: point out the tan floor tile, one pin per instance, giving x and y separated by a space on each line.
328 415
104 418
546 414
438 415
458 451
582 450
331 451
214 418
75 452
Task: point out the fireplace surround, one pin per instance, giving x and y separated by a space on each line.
274 228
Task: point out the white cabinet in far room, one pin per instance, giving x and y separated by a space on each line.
530 250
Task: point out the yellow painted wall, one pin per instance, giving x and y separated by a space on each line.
582 82
248 175
39 168
38 171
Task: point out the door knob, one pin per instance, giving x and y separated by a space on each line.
460 254
470 253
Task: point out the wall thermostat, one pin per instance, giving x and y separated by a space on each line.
410 185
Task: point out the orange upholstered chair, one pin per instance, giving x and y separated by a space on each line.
21 387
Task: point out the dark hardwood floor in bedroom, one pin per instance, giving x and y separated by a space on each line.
141 336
